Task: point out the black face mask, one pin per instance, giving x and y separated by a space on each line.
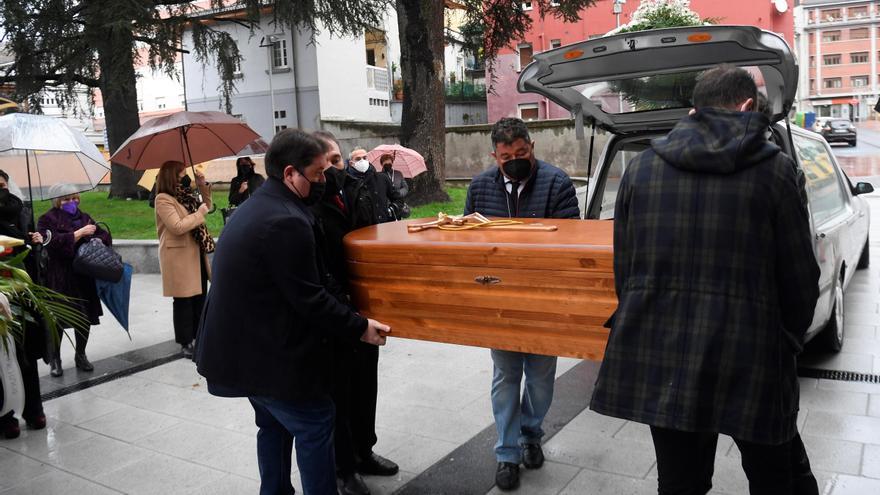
185 181
517 169
334 177
386 168
316 192
10 206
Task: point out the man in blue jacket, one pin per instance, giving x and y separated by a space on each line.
269 321
520 186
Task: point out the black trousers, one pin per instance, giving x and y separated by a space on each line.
686 461
33 402
355 385
187 312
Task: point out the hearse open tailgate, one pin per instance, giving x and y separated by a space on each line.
539 292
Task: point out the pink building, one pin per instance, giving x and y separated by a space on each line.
550 33
838 41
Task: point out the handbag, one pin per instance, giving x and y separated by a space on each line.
98 261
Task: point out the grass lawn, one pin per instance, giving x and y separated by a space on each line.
136 220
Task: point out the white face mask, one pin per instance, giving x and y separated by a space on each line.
361 165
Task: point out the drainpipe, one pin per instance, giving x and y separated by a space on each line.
296 99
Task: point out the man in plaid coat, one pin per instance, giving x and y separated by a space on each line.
717 283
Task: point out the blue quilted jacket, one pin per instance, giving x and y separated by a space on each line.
548 194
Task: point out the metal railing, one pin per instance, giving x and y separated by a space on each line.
377 78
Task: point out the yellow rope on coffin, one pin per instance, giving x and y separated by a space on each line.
469 226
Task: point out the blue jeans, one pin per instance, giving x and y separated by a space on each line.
310 426
518 421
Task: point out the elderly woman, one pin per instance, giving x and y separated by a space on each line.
65 227
184 242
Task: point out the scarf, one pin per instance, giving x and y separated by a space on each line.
189 201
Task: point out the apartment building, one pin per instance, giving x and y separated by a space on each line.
838 54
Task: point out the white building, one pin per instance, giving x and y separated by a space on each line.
328 78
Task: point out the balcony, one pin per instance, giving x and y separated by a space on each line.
465 91
377 78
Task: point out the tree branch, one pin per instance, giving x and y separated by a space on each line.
61 78
151 41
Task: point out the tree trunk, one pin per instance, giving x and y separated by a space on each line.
119 92
423 123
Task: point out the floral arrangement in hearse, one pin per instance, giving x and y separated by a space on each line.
653 92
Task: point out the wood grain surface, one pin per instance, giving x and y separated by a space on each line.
539 292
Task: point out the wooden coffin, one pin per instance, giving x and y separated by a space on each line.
538 292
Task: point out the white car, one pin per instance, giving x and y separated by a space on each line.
638 85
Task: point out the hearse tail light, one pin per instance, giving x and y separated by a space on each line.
573 54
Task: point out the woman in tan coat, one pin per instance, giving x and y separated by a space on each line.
184 242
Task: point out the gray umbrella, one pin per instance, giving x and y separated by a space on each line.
45 151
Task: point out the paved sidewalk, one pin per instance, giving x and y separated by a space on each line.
158 431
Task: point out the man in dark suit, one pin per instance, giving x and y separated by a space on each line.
269 321
520 186
356 366
716 282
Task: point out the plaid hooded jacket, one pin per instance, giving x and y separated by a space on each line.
716 280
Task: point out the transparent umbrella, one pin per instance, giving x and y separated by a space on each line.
45 151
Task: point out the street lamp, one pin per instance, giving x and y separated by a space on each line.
268 42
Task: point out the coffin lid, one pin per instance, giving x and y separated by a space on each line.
576 245
578 77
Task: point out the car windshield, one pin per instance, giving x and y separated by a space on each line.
642 94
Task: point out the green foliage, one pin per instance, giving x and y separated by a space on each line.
664 91
455 205
26 298
60 43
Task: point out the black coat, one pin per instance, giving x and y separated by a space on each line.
335 222
254 181
369 196
716 281
549 193
57 228
268 319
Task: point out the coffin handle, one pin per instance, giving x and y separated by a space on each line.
487 280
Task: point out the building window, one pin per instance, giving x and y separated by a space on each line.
525 55
555 44
279 128
859 81
280 114
812 61
831 59
812 84
832 83
528 111
858 58
831 36
527 5
831 15
810 38
279 54
858 12
858 34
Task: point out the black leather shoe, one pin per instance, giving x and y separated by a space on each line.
377 465
82 362
533 456
507 476
352 484
55 368
187 351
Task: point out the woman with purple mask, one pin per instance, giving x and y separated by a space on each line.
66 227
